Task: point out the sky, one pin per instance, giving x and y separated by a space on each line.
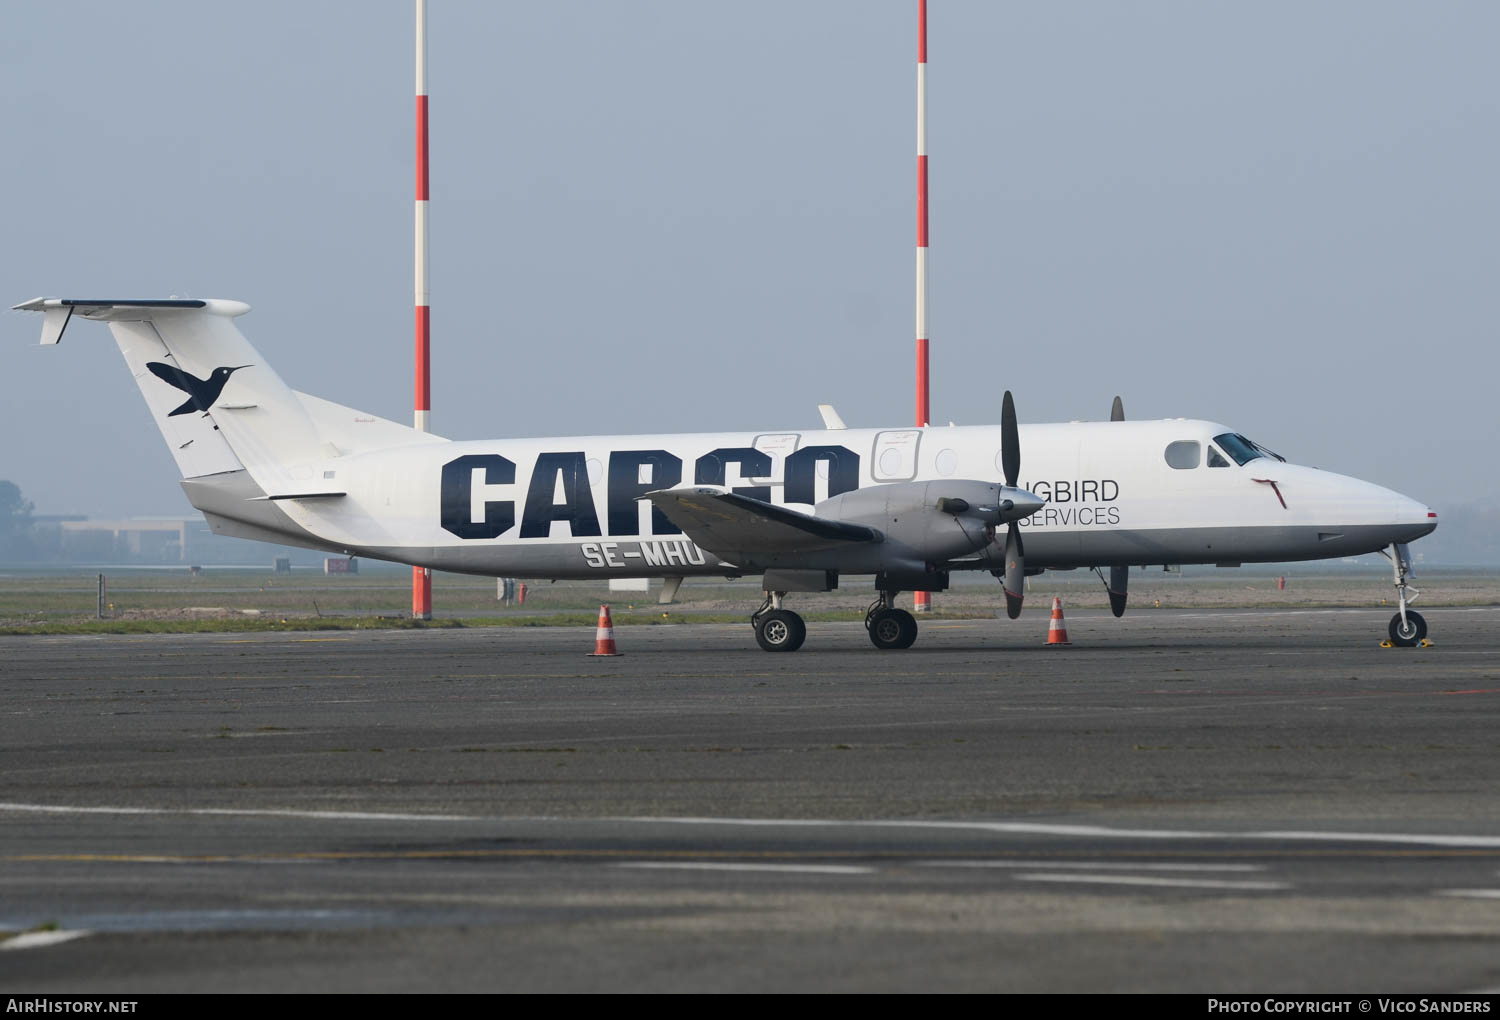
683 216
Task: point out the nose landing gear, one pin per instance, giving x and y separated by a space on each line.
1407 628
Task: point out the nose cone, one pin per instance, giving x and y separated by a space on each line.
1407 519
1416 519
1023 503
1339 499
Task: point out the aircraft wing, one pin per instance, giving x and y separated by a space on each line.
745 531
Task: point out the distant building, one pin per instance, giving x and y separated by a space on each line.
150 541
162 540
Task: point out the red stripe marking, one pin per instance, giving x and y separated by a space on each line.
921 31
1274 488
921 201
421 592
922 391
424 359
421 148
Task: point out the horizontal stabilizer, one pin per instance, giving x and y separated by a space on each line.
58 312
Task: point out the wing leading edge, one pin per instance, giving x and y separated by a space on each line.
745 531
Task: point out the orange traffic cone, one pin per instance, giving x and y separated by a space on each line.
604 637
1057 634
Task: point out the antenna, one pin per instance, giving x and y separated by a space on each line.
421 577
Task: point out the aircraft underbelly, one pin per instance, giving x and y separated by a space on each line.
1223 544
568 560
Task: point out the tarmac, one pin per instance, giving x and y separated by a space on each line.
1179 801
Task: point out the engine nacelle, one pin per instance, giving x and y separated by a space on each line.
932 522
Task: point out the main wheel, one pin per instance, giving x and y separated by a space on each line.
893 628
1407 633
780 630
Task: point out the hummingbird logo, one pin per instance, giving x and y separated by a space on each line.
201 392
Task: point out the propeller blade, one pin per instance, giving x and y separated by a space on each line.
1117 413
1010 440
1119 579
1015 571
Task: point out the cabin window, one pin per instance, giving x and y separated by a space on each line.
1183 454
1215 458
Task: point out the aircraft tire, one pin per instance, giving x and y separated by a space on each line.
780 630
1410 635
893 629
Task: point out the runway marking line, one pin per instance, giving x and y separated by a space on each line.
809 869
368 816
41 939
1099 831
918 858
1169 883
1094 865
1002 828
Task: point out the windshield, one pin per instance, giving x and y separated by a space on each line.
1243 450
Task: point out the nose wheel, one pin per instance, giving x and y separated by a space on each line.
1407 628
1408 632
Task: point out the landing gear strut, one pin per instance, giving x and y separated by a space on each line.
890 627
1407 628
777 629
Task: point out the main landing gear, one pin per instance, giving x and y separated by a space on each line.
781 630
890 627
1407 628
777 629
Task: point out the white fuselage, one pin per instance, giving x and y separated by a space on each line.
266 462
571 507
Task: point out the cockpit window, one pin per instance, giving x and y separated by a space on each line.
1215 458
1268 452
1244 450
1183 454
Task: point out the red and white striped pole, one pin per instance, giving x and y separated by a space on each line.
922 601
421 577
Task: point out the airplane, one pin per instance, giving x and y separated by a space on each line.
800 508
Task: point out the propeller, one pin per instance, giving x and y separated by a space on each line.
1015 550
1119 577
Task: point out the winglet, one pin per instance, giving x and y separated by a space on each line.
831 419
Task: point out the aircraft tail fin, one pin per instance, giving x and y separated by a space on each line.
218 404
